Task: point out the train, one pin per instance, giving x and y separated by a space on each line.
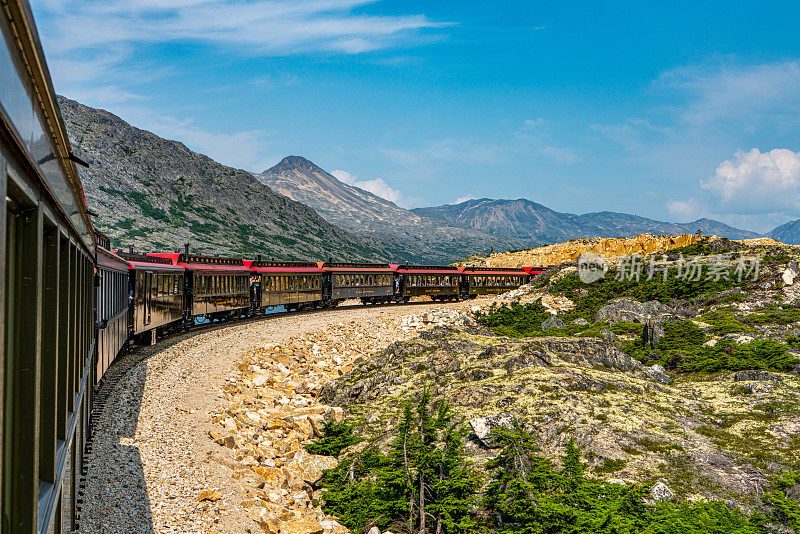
170 292
70 306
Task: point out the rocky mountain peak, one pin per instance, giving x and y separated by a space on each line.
294 163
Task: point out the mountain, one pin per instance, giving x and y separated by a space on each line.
156 194
522 218
788 233
405 234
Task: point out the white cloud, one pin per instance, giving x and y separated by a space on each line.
376 186
459 200
686 210
754 182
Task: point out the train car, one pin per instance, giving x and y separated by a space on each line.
296 285
112 305
437 282
157 302
216 288
371 282
47 293
492 280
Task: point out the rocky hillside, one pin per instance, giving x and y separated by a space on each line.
787 233
156 194
525 219
610 247
666 405
407 235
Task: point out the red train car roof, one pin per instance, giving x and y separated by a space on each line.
291 267
204 263
425 269
146 262
356 268
492 271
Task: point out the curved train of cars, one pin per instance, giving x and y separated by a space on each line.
68 306
144 296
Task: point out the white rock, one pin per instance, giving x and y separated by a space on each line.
661 492
791 273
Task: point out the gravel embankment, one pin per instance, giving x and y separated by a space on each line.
154 468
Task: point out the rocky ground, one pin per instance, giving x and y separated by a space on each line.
204 432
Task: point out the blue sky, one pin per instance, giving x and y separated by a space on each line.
671 110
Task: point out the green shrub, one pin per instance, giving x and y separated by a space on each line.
785 508
425 466
724 321
729 356
589 298
515 320
527 495
336 437
782 316
685 335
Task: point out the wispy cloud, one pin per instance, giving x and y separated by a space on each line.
94 48
260 27
736 92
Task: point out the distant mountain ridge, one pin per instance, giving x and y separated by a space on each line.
526 219
788 233
156 194
405 234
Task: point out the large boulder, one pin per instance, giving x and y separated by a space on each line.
625 309
791 273
309 467
656 373
483 426
552 322
591 352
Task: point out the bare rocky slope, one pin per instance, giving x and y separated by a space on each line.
156 194
523 218
787 233
405 234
